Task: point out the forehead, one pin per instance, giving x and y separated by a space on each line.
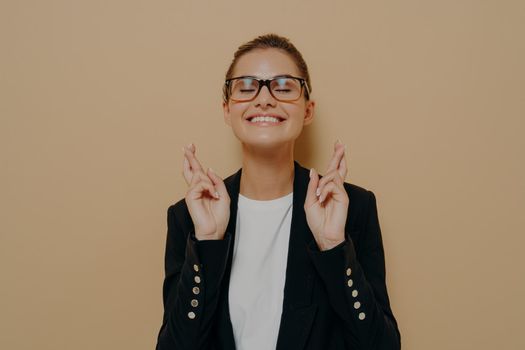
265 63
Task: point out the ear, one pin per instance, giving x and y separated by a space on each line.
226 110
309 112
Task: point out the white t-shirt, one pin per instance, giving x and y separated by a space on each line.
259 270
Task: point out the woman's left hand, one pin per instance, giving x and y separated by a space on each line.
326 203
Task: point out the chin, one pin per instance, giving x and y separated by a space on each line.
267 143
265 139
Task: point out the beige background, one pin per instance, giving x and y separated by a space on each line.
98 97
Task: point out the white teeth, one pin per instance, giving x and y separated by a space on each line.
264 119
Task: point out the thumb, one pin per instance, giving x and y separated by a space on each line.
311 197
217 182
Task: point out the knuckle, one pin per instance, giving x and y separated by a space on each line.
327 181
195 182
204 178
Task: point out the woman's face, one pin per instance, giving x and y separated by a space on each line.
266 64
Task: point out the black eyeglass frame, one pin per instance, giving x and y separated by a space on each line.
265 82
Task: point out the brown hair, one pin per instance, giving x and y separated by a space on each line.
268 41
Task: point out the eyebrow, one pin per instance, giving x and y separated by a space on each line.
274 77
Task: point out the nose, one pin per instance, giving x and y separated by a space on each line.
265 98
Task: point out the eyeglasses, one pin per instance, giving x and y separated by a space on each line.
285 88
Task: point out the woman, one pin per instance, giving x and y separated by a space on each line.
274 256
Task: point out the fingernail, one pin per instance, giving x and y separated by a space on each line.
217 194
311 171
210 169
317 192
321 200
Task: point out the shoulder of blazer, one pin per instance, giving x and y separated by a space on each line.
358 196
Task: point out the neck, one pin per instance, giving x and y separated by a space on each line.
267 174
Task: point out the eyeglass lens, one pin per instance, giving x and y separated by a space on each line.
282 88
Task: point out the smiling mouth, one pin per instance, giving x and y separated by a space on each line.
265 120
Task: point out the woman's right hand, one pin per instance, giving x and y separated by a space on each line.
207 198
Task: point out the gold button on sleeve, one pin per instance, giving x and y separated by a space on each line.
196 290
191 315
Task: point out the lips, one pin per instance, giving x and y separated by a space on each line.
278 117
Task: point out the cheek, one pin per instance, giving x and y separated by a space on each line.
237 110
295 111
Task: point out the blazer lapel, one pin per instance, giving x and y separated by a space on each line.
225 335
298 312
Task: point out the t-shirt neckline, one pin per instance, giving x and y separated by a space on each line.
272 203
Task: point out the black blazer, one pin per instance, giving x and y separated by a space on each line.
333 299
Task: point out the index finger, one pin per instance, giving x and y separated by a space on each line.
339 149
343 169
186 171
194 163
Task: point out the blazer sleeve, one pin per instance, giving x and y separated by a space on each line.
193 275
356 286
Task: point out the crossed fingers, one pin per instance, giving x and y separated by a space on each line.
335 173
194 174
